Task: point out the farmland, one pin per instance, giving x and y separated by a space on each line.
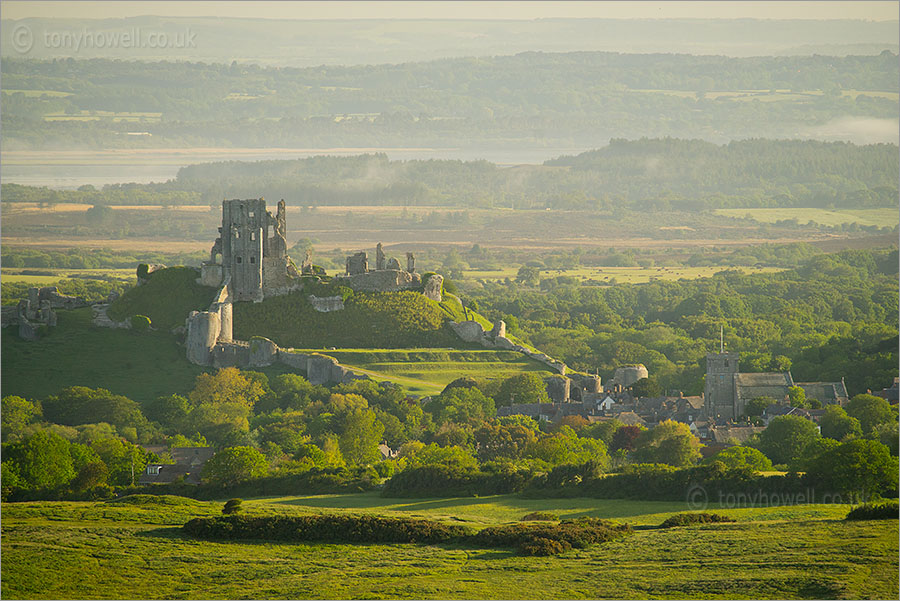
60 550
871 217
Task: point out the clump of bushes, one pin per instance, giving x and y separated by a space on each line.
550 539
539 516
232 506
687 519
330 528
880 510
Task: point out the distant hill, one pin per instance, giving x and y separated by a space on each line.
368 41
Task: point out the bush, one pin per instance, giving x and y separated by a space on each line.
567 534
687 519
232 506
543 547
140 323
881 510
539 516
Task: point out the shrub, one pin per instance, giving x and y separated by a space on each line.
567 534
543 547
881 510
687 519
140 323
539 516
232 506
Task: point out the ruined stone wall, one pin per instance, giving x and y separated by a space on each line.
387 280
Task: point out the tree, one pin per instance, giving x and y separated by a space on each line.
757 406
81 405
741 457
235 464
603 431
796 396
669 442
360 438
16 413
522 388
624 438
124 460
836 424
871 411
646 387
785 437
42 460
502 441
528 276
462 406
861 468
227 386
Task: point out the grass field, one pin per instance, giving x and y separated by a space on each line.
428 371
879 217
622 275
118 550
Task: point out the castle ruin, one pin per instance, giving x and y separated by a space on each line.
250 252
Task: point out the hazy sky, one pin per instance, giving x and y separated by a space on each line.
875 11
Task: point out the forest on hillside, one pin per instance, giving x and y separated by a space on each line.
645 174
542 99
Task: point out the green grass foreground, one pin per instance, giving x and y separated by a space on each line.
124 550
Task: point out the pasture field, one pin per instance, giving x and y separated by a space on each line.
621 275
767 95
56 550
428 371
54 275
879 217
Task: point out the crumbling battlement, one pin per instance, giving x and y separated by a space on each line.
387 276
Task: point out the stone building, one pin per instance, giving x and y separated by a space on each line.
728 391
253 251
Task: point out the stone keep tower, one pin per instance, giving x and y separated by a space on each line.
252 259
721 369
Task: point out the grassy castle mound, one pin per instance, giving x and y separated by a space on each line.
368 320
166 297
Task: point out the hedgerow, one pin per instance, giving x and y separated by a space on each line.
445 481
330 528
529 539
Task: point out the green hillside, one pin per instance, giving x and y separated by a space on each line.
166 298
140 366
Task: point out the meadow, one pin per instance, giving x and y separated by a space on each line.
886 217
124 550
